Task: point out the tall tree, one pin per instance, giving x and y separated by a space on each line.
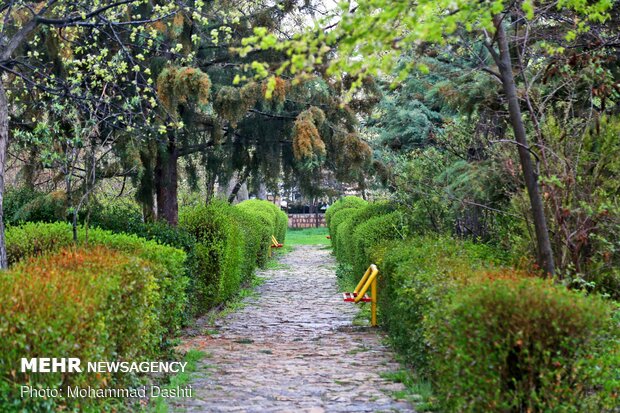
370 36
96 66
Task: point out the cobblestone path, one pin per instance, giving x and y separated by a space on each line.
285 353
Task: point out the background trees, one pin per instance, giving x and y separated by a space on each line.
518 44
145 96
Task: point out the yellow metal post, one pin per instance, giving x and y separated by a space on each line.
363 280
373 303
369 280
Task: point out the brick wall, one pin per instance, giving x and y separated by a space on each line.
305 220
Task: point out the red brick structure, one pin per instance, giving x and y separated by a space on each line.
305 220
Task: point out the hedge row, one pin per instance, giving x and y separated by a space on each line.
224 244
356 227
120 296
269 214
489 338
93 304
35 238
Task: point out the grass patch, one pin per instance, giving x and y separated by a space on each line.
417 392
192 357
307 236
276 265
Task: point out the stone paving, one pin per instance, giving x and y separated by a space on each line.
284 352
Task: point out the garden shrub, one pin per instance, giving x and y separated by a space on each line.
337 219
36 238
257 239
343 203
94 304
126 217
372 232
281 225
269 214
28 205
345 240
115 215
416 276
14 199
489 337
219 252
525 345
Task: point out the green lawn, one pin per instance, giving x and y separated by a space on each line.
307 236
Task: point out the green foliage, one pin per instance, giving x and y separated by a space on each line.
342 203
26 205
257 239
365 36
269 214
14 200
346 241
525 345
338 219
416 276
126 217
93 304
219 252
489 338
116 215
370 234
281 225
34 239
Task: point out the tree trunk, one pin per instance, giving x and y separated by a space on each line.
4 140
166 182
504 64
241 180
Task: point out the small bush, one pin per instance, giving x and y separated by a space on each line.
14 200
281 226
29 205
368 235
346 245
36 238
115 215
126 217
524 345
219 252
94 304
342 203
257 239
269 214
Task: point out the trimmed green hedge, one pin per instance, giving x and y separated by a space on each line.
417 276
525 345
343 203
344 232
489 338
93 304
36 238
269 214
257 239
369 235
219 252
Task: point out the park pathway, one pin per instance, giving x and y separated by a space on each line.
293 348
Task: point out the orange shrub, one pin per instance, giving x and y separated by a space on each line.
94 304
